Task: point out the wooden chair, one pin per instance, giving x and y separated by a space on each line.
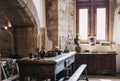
5 75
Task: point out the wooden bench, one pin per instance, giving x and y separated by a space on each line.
76 75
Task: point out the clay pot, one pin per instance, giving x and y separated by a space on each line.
78 48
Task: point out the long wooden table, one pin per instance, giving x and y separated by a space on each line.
48 67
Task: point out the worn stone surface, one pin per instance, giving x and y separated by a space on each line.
22 15
29 7
60 21
5 43
42 37
66 19
14 13
26 39
52 20
60 25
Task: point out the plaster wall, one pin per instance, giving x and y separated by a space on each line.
116 32
40 7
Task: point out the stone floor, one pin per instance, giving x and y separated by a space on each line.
103 78
94 78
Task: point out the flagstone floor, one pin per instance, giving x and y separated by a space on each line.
103 78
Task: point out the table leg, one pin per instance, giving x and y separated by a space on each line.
53 78
21 78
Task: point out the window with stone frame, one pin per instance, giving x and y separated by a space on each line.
92 19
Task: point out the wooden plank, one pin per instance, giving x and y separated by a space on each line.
77 73
12 78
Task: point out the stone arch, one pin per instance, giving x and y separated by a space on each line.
29 7
24 19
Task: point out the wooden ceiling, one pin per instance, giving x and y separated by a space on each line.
11 11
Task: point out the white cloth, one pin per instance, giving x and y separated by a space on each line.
116 30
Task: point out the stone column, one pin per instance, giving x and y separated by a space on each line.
52 21
60 21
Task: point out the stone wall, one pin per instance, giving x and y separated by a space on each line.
25 40
60 21
52 21
66 22
34 36
5 42
21 40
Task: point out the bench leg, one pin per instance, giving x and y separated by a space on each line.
86 75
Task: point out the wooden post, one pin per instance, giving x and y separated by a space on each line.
0 72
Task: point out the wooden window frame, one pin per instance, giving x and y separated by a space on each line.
92 16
